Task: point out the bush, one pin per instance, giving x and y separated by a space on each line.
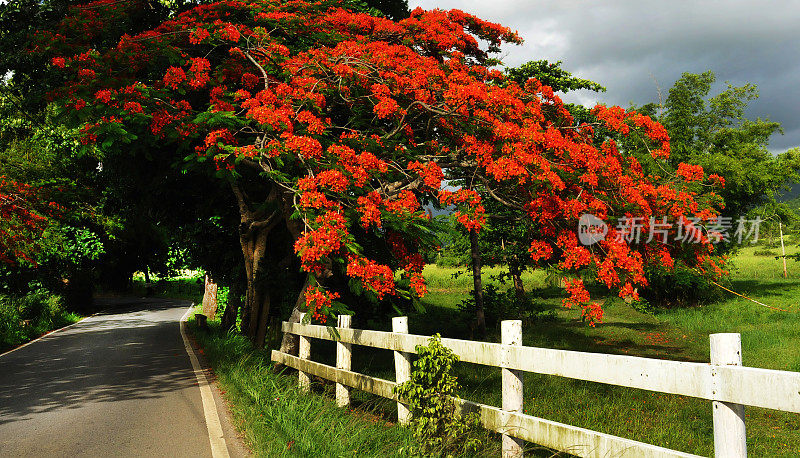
680 287
11 330
765 253
449 260
436 427
23 318
504 305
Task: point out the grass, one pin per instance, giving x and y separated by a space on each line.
278 420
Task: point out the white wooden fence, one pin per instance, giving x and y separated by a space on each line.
724 381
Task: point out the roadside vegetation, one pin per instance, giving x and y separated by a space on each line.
27 317
279 420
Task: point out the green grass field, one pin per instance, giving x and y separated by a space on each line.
770 339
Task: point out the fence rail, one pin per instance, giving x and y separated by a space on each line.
724 382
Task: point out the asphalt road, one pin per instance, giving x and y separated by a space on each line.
119 383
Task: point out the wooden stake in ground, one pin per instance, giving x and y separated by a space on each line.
783 251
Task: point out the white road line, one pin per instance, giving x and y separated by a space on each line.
215 435
47 334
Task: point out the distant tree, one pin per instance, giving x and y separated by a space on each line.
712 131
744 178
551 74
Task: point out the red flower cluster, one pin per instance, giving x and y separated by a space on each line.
230 33
691 172
470 213
174 77
379 278
318 244
22 220
318 302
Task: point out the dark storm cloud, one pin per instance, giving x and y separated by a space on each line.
636 47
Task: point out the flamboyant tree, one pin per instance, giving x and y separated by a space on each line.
23 218
338 126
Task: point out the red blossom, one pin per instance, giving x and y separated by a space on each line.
103 96
230 33
132 107
174 77
198 35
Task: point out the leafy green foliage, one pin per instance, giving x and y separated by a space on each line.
429 393
23 318
501 305
678 287
713 132
551 74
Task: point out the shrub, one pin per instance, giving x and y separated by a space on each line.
504 305
765 253
436 427
23 318
680 287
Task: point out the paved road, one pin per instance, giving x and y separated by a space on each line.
116 384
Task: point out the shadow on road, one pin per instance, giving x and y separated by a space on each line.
131 351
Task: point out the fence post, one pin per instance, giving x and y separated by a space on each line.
304 352
730 438
511 334
402 367
343 361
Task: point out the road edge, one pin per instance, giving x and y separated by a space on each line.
216 437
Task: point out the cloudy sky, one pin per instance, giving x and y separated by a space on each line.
636 47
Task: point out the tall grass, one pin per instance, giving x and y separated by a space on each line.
278 420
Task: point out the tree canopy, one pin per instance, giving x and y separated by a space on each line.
337 126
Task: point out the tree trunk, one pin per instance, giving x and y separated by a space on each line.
232 308
257 302
253 233
210 298
516 277
291 342
263 320
480 317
